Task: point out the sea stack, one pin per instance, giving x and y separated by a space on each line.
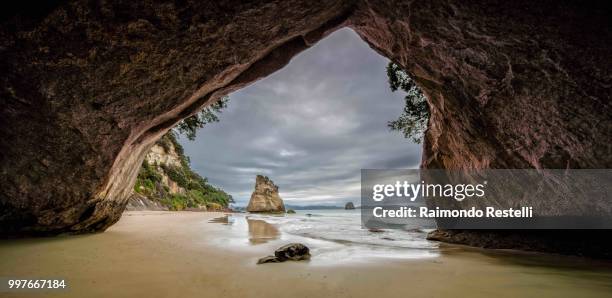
349 206
265 197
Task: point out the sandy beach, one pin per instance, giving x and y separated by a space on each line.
192 254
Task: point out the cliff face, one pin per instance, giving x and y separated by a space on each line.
265 197
148 194
511 84
166 181
89 87
163 155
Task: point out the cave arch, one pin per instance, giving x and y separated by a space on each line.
88 87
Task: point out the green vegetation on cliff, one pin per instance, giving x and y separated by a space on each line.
190 190
413 121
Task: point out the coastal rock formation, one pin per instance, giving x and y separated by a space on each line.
289 252
292 252
88 87
592 243
349 206
268 259
139 202
265 197
162 155
166 179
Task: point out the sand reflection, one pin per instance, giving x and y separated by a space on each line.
261 231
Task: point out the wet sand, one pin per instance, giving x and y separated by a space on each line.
185 254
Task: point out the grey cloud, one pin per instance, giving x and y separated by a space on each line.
311 127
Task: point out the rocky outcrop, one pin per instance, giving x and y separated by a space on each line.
349 206
268 259
139 202
162 156
166 179
265 197
506 81
289 252
591 243
508 86
89 87
148 194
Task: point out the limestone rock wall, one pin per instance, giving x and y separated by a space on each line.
161 157
158 155
265 197
138 202
511 84
88 87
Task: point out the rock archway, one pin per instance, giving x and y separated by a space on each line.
88 86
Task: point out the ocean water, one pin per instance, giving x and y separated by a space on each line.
344 226
334 235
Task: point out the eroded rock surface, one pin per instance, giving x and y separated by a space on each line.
88 87
512 84
265 197
140 202
592 243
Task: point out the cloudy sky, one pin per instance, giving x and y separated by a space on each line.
310 127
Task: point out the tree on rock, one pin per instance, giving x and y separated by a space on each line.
190 125
413 121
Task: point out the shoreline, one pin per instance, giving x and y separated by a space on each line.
184 254
508 240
